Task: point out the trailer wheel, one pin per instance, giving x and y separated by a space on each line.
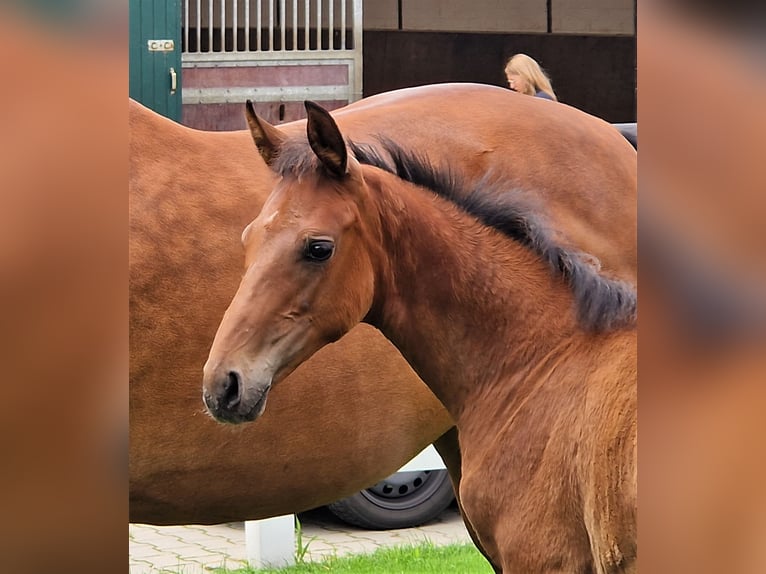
402 500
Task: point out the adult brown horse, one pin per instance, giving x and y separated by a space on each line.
184 266
192 193
529 348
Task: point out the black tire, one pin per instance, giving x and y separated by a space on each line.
402 500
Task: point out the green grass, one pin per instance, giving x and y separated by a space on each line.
425 558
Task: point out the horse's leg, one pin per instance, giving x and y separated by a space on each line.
448 448
533 545
525 514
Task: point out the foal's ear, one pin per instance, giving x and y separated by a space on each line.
268 139
325 139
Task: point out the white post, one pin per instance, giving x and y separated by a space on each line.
270 542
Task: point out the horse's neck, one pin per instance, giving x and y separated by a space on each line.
467 307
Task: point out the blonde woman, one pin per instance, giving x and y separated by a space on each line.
527 77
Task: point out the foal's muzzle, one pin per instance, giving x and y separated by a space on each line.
228 400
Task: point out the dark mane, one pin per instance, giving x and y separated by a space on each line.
603 303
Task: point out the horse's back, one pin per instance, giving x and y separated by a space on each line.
574 168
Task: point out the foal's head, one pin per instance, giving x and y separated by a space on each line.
308 273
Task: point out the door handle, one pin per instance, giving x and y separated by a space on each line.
173 81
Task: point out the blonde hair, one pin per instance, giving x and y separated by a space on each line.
537 79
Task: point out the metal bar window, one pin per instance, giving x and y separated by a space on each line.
271 25
209 28
258 25
223 26
247 25
357 26
199 25
295 24
235 26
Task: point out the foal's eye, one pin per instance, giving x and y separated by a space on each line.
319 249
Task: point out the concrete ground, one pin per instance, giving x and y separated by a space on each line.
196 549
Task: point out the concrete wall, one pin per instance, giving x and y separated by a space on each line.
475 15
566 16
612 17
381 14
593 16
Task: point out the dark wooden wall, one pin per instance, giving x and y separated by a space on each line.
594 73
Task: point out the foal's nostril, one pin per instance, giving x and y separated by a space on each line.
232 390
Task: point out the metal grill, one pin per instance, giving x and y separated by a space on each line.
247 26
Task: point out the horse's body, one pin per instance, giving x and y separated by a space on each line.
530 350
192 193
185 467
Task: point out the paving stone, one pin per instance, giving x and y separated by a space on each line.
145 551
193 549
139 567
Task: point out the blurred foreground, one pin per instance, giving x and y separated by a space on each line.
702 269
63 289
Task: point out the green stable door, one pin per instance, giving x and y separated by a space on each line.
155 55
